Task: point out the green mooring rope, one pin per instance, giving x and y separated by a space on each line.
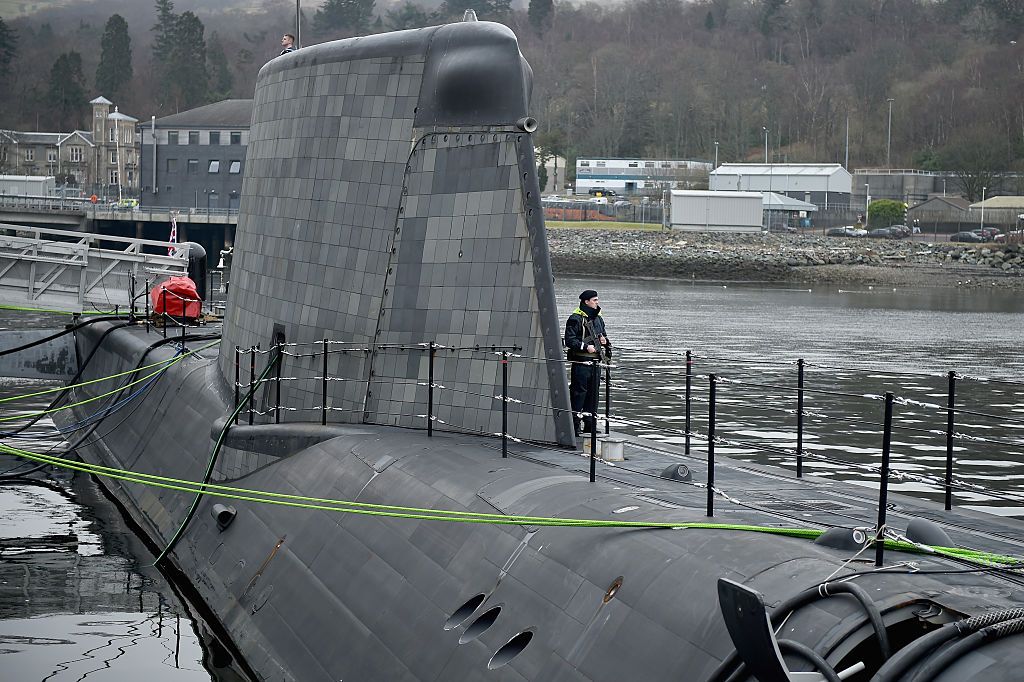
167 365
454 516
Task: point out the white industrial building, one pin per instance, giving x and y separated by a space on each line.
640 176
706 211
823 184
731 211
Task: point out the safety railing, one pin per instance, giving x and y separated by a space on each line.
779 394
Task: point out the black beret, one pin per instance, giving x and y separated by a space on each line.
588 294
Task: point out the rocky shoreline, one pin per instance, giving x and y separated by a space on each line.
784 258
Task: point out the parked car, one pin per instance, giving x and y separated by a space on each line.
846 231
594 191
900 230
986 233
1012 235
966 237
887 233
621 203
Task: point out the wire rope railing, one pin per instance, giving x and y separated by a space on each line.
731 392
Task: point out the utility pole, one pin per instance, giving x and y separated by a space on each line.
888 137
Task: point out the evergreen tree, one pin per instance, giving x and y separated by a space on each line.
163 43
188 77
8 46
409 15
348 15
540 13
223 81
66 95
114 71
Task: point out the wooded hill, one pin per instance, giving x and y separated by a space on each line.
648 78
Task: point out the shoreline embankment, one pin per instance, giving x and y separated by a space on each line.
763 257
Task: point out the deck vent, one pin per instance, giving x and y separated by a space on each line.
464 612
677 472
480 625
513 648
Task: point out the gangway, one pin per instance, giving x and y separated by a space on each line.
78 271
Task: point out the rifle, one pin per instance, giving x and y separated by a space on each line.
591 338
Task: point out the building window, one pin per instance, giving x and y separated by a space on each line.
76 155
235 168
130 176
601 164
193 137
236 138
214 137
634 164
214 167
98 113
584 163
648 164
30 154
126 136
172 137
113 177
113 156
110 134
193 167
172 165
51 155
666 164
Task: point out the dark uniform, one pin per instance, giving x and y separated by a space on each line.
585 327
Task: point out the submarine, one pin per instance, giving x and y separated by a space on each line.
349 513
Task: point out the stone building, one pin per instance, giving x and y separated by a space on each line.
103 160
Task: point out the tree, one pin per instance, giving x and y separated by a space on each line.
976 161
188 78
348 15
408 15
163 43
219 70
8 46
66 95
886 212
540 13
114 71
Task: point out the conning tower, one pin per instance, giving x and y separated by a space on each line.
390 199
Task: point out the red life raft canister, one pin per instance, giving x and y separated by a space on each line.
182 300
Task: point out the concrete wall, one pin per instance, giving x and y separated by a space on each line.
390 199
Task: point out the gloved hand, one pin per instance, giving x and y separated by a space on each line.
608 352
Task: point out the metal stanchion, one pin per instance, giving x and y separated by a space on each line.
950 418
163 296
323 390
711 445
430 391
689 375
883 488
800 418
131 296
252 381
277 396
147 310
504 404
238 352
591 407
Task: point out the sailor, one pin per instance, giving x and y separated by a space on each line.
585 341
287 44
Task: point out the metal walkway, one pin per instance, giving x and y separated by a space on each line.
77 271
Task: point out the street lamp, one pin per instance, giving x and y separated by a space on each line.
765 129
867 202
716 153
983 190
888 136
